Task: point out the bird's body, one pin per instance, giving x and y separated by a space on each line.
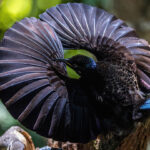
120 80
109 94
112 86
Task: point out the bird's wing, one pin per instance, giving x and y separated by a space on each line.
80 26
33 90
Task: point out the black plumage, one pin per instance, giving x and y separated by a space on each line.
35 87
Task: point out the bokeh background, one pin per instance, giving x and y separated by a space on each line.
135 13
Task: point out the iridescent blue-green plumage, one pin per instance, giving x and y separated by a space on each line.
146 105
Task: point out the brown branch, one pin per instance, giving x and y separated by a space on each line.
16 138
138 139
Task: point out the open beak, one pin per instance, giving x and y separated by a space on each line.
66 61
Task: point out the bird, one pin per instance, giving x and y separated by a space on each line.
111 92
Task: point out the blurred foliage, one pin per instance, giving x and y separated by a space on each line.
135 12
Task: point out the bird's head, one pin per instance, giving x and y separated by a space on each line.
81 64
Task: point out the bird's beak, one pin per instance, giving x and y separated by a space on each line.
66 61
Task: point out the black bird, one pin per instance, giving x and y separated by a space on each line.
108 96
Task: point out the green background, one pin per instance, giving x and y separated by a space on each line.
135 12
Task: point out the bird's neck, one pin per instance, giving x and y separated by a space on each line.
92 77
89 74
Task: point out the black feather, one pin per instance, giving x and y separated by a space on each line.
86 27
